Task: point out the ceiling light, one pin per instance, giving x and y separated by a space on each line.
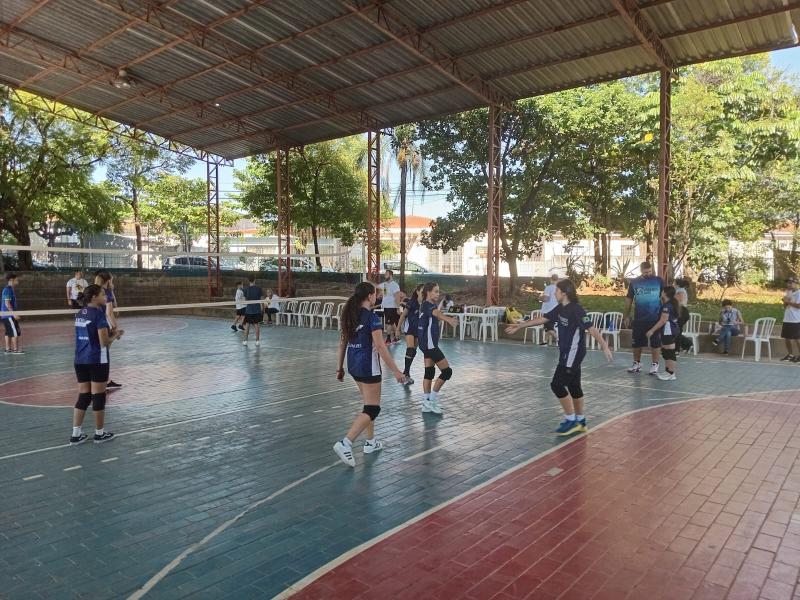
123 80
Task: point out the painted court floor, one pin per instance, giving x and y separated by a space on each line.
222 482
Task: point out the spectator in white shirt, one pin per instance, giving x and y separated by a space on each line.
549 303
391 300
790 332
240 308
74 287
274 306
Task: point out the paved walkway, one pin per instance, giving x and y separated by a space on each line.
222 482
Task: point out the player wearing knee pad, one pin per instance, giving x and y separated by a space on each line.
667 329
428 335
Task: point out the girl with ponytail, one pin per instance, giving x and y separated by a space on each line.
362 342
573 324
667 325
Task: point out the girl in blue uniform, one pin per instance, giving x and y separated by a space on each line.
573 324
667 326
428 334
362 341
104 279
409 321
93 337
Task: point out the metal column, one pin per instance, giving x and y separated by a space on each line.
212 222
664 159
373 264
495 211
284 203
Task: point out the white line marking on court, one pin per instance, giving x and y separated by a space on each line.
153 581
336 406
32 477
297 416
554 471
423 453
230 431
253 426
203 439
175 445
192 420
108 460
75 468
311 577
319 410
277 420
143 451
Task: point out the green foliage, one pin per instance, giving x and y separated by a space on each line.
46 166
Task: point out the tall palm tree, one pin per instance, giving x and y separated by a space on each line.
405 151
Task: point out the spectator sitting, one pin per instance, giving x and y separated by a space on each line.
274 306
730 318
446 305
74 288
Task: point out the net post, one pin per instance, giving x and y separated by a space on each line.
495 214
284 221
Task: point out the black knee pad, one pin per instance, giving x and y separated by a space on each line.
411 352
669 354
84 400
446 374
98 402
430 372
559 390
372 410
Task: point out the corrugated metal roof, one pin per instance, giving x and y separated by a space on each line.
233 76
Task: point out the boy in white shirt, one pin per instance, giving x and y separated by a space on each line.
240 308
549 303
274 307
790 332
74 287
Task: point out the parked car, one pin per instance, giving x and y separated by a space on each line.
302 265
412 268
186 263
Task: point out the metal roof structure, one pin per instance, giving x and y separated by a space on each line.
239 77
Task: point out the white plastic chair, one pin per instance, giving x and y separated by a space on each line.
612 323
472 323
536 330
299 314
491 321
691 330
325 316
288 308
337 316
597 323
762 332
307 317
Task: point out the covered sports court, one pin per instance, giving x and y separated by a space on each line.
222 482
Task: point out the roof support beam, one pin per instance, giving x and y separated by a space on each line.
409 36
632 15
9 27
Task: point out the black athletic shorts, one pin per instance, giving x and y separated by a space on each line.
254 319
668 340
92 373
369 379
391 316
435 354
789 331
240 312
639 339
12 327
567 381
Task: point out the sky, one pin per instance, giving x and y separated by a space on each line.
434 204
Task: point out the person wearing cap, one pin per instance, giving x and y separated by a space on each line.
790 332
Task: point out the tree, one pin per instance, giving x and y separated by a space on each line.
177 206
46 174
535 200
133 165
327 186
406 153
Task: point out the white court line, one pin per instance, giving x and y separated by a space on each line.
297 416
153 581
423 453
143 451
203 439
230 431
311 577
192 420
32 477
252 426
175 445
108 460
75 468
276 420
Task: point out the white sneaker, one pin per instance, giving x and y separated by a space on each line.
244 343
653 369
635 368
435 408
408 381
258 343
370 448
666 376
344 453
426 406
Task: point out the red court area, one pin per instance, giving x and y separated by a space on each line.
696 500
142 384
58 332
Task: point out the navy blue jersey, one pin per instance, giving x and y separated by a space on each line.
428 327
411 323
109 296
362 356
573 323
646 295
253 292
88 350
8 297
671 326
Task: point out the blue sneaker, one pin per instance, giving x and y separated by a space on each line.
568 427
582 423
